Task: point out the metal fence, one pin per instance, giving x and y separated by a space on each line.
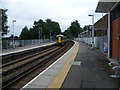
6 44
99 42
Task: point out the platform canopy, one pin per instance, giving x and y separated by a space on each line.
105 5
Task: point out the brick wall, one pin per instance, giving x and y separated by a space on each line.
102 23
101 26
115 30
115 41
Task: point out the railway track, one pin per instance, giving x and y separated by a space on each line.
13 57
19 69
23 60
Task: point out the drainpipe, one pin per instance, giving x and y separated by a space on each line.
109 35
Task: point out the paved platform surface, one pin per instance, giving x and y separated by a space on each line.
91 73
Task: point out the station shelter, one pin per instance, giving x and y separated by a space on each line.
112 8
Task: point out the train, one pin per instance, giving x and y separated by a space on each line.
60 40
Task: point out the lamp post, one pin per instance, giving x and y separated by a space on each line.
39 37
50 35
92 29
13 34
40 34
54 35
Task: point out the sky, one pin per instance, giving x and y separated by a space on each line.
25 12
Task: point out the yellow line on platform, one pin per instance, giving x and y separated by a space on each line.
59 79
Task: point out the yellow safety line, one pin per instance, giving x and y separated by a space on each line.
59 79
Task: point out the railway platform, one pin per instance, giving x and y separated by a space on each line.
23 48
80 67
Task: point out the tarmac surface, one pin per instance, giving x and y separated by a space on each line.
92 73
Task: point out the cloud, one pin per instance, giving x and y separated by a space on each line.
25 12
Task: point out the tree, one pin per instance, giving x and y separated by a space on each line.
25 33
87 27
3 17
48 27
67 33
73 30
54 27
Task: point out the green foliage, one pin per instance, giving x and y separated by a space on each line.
73 30
48 27
4 21
68 34
24 34
87 27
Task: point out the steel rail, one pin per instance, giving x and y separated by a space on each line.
11 79
26 57
14 56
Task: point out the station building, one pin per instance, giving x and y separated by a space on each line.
112 8
101 27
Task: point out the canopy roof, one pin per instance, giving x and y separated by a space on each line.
105 5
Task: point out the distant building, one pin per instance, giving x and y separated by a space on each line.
112 7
